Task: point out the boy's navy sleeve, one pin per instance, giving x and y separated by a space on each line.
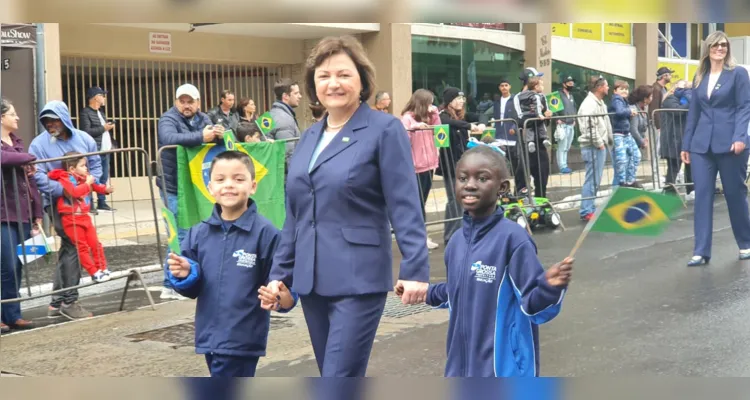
269 250
539 300
190 286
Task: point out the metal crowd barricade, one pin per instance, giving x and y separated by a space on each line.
667 148
30 268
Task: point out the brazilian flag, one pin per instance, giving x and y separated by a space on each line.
230 141
488 134
266 123
636 212
442 136
174 244
194 203
554 102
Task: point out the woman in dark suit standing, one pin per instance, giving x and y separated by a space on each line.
716 137
351 173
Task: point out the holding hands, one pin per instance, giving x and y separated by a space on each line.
411 292
275 296
561 273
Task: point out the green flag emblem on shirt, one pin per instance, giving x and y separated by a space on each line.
194 201
636 212
554 101
266 123
172 240
442 136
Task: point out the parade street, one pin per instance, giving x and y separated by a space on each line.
633 308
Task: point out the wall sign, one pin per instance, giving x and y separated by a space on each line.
18 35
160 42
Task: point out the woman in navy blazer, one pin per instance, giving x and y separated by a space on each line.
716 137
350 174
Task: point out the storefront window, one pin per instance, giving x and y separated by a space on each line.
473 66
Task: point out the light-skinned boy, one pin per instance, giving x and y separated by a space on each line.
225 260
496 290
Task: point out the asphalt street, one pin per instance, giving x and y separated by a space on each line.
633 308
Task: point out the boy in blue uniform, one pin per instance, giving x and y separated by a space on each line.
225 260
496 290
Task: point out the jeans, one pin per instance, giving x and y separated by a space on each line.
627 156
593 159
105 158
11 268
171 203
424 182
563 145
68 268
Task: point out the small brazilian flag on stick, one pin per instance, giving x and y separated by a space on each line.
554 102
266 123
636 212
488 134
442 136
174 243
230 141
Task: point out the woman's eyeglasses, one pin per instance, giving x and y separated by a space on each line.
723 45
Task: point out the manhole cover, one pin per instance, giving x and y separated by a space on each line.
184 334
395 309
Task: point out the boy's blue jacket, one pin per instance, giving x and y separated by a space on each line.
496 293
621 120
226 270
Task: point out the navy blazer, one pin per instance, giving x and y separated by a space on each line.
713 124
336 239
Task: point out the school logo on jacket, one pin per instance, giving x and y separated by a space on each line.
246 260
484 273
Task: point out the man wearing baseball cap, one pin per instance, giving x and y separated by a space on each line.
185 125
93 121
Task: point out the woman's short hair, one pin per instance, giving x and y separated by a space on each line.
334 45
5 105
640 93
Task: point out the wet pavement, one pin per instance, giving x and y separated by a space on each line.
633 308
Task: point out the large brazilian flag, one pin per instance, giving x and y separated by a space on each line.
193 164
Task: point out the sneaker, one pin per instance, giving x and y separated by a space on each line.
53 312
4 328
170 294
587 217
106 271
532 147
566 170
547 143
105 207
75 311
690 196
100 277
432 245
635 185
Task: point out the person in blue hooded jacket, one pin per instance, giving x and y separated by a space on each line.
496 291
59 138
225 260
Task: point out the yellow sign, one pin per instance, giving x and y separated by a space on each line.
587 31
560 30
618 33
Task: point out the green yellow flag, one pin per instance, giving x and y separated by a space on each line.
194 201
172 239
266 123
442 136
636 212
230 141
554 102
488 134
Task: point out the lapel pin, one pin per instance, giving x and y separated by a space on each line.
345 139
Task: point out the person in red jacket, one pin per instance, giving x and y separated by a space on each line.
74 207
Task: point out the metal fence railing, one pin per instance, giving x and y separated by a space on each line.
124 241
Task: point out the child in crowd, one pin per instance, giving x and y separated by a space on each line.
74 206
531 103
225 260
625 154
496 290
249 132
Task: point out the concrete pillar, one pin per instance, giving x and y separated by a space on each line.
52 68
539 50
646 41
390 51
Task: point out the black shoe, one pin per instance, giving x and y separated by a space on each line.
104 207
93 211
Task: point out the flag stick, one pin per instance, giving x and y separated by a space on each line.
588 227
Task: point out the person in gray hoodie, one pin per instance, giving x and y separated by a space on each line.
288 97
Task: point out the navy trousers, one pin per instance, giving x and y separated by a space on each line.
342 331
733 171
222 366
